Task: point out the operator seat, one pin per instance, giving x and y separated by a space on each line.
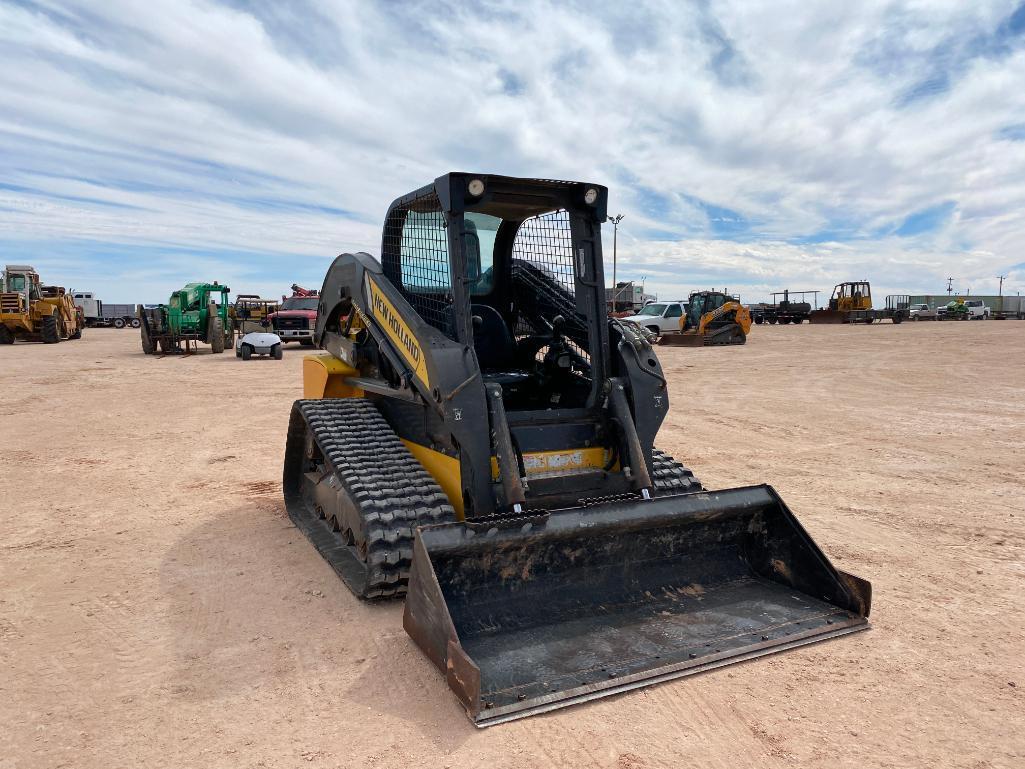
495 346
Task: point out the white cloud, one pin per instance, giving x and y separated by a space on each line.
221 131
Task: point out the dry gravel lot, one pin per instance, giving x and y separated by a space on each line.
158 609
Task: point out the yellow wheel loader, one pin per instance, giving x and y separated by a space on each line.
34 312
711 318
478 436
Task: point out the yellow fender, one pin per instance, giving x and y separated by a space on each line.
324 377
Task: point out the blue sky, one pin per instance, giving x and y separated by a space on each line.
756 146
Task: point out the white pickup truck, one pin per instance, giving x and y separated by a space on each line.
977 309
921 312
659 317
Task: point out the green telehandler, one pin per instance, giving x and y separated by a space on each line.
196 313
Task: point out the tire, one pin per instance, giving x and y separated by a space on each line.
654 330
306 342
216 335
149 347
773 321
6 337
759 321
136 322
77 334
119 322
247 352
279 352
49 330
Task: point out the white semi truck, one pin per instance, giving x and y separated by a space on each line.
98 313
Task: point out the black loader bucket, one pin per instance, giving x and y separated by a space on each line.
537 614
681 340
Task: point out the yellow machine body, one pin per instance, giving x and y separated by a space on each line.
712 318
853 296
33 312
324 376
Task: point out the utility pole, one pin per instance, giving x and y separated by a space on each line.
615 238
1001 293
950 286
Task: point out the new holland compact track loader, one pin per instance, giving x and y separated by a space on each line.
479 436
711 318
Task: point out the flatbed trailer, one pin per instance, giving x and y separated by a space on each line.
784 310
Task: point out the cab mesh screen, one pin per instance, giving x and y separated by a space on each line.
543 278
414 257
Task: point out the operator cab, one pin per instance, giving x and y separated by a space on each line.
527 279
702 302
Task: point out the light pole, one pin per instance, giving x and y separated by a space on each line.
615 238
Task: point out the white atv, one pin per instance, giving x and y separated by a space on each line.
259 343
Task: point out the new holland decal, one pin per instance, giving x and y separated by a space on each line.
397 330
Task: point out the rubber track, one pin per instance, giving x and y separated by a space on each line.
723 336
670 477
388 486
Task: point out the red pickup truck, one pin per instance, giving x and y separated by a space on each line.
295 319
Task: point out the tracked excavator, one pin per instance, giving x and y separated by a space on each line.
711 318
478 436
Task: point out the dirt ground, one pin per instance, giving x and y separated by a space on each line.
157 608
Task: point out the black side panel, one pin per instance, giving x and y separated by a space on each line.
452 390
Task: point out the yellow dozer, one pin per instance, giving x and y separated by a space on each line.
712 318
478 436
34 312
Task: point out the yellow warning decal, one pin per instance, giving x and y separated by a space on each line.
551 463
397 330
